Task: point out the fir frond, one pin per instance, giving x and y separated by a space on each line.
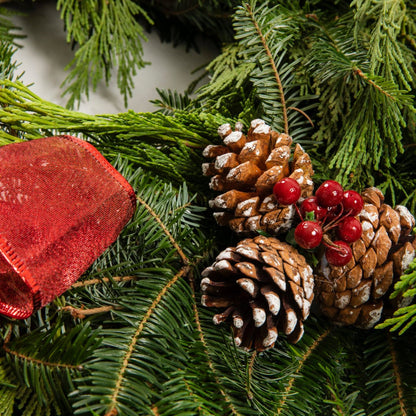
9 32
146 332
48 371
404 317
168 145
386 377
230 70
170 101
342 69
388 58
181 22
108 35
266 34
9 36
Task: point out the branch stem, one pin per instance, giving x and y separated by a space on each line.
273 65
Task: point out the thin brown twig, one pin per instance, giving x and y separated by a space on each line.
250 373
81 313
303 113
90 282
273 65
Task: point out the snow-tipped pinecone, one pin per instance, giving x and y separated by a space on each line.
357 293
245 169
264 286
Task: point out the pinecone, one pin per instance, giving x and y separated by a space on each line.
245 170
357 293
265 286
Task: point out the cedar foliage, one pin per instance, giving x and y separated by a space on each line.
131 337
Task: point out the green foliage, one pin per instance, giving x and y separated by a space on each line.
9 33
168 145
263 60
404 317
183 21
9 36
131 337
171 101
365 100
107 35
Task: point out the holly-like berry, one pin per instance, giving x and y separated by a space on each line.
350 229
329 194
311 205
353 202
287 191
308 234
339 254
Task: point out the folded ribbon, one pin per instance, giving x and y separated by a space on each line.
61 205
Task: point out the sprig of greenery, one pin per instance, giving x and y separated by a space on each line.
405 288
107 35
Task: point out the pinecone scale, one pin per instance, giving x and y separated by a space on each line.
265 288
245 169
357 294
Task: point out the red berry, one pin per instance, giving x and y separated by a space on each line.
308 234
350 229
339 255
353 203
329 194
287 191
311 205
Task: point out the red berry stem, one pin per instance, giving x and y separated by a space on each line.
334 222
327 242
299 213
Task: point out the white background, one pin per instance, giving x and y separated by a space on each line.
45 54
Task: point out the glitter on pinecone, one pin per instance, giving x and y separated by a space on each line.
264 287
357 294
245 169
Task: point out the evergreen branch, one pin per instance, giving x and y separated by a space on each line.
127 357
24 357
384 373
104 280
343 74
303 113
397 377
404 317
149 334
206 348
272 64
265 35
47 370
388 58
185 260
81 313
107 33
228 72
371 82
299 367
28 113
170 101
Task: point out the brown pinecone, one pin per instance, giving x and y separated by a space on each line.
264 286
357 293
245 170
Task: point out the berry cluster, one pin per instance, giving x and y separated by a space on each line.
331 208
